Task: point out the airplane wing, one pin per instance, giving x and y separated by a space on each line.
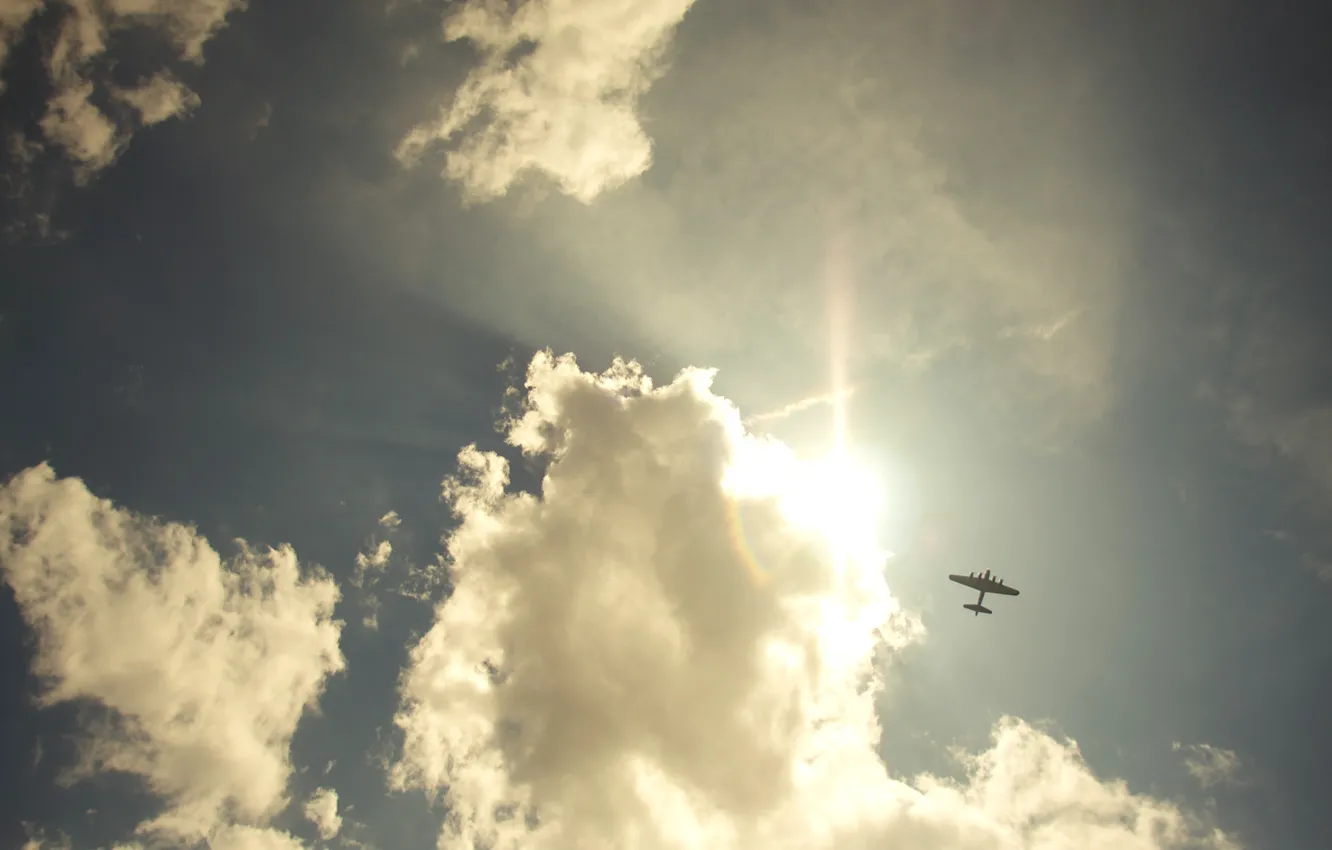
970 581
988 585
992 586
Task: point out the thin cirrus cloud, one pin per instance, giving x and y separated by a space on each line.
1208 764
556 92
202 669
652 654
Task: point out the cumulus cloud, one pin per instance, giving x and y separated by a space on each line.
204 668
322 811
668 647
73 121
556 92
390 520
1208 764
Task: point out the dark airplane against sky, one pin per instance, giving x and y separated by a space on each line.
985 583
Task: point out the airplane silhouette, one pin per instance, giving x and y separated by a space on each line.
985 583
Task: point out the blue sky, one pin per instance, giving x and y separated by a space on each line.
1068 257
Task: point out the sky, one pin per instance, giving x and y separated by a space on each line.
530 425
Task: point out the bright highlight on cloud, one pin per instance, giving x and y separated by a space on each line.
202 669
556 91
648 655
322 811
78 67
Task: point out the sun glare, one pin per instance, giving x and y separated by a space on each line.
840 498
836 496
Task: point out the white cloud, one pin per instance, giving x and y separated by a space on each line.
375 574
375 559
188 23
813 165
557 91
322 811
370 614
204 669
37 839
370 567
652 653
1208 764
160 98
81 129
800 406
14 17
243 837
73 121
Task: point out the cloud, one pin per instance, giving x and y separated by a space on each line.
375 559
203 668
1208 764
322 811
37 839
1273 403
160 98
810 163
14 17
370 567
73 120
800 406
658 651
556 92
243 837
377 573
188 23
81 129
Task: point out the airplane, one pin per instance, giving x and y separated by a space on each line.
985 583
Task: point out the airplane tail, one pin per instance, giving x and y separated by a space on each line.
979 609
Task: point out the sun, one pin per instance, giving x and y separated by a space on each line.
837 496
836 499
842 499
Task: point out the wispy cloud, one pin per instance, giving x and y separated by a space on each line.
1208 764
556 92
807 403
647 654
203 668
794 167
39 839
